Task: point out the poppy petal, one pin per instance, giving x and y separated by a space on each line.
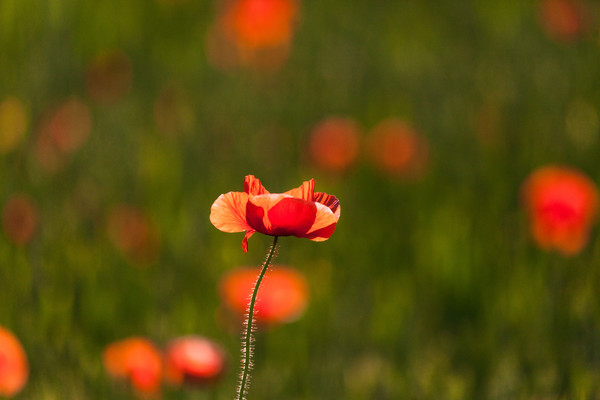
305 191
329 200
280 215
324 224
228 212
292 216
245 240
253 186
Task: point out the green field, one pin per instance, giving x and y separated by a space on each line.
430 288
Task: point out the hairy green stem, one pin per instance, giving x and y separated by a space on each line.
247 339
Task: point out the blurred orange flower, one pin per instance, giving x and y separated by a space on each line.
19 219
108 76
334 144
255 33
564 20
63 132
137 360
562 204
298 212
253 24
397 149
194 360
131 231
14 368
13 123
282 296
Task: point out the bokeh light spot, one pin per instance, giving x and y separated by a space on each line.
13 123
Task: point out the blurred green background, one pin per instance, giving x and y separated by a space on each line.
430 288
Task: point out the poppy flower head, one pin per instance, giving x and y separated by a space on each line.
334 144
194 360
137 360
14 368
299 212
282 296
562 204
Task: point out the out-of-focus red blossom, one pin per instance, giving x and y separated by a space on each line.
14 367
254 24
562 204
136 360
13 123
19 219
132 233
563 20
173 113
254 33
194 360
63 132
282 296
334 144
108 76
299 212
397 149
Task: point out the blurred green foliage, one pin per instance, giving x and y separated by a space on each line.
429 289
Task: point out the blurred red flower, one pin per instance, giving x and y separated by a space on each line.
63 132
254 24
131 231
397 149
136 360
562 204
564 20
298 212
108 76
19 219
14 368
282 296
194 360
334 144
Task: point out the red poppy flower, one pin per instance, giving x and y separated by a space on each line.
136 359
14 368
282 297
298 212
562 204
194 359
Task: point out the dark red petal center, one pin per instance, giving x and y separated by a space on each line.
292 216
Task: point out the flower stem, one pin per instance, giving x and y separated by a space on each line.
247 339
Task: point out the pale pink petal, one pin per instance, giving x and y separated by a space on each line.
228 212
305 191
